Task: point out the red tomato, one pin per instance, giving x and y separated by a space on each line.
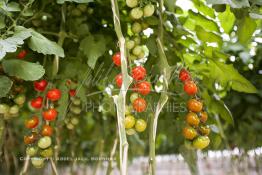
53 94
117 59
37 102
184 75
22 54
32 122
139 105
47 130
143 87
190 88
50 114
72 92
138 73
119 80
40 85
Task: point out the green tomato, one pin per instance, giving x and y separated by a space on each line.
136 27
129 121
131 3
137 50
142 54
136 13
14 110
132 57
70 126
46 153
145 25
76 12
4 108
128 110
201 142
137 40
44 142
31 151
20 99
37 162
75 109
74 120
130 44
130 131
133 97
149 10
140 125
76 101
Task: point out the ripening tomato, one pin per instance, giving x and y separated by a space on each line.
22 54
133 97
204 129
31 151
37 102
119 80
139 104
192 119
47 130
138 73
40 85
117 59
140 125
50 114
72 92
143 87
32 122
44 142
184 75
53 94
194 105
190 88
189 133
201 142
203 116
129 121
29 139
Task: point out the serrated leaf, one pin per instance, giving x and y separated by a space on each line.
227 20
77 1
23 69
5 85
93 46
209 37
41 44
232 3
245 33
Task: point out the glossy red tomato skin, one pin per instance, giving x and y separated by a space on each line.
117 59
72 92
190 88
32 122
119 80
37 102
40 85
139 104
47 130
184 75
143 87
50 114
22 54
54 94
138 73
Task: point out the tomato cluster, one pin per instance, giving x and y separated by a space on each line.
39 140
196 131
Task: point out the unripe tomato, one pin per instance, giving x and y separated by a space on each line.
47 130
32 122
137 40
53 94
194 105
13 110
4 108
128 109
76 101
184 75
31 151
29 139
189 133
201 142
22 54
37 103
143 87
149 10
136 27
192 119
137 50
131 3
37 162
119 80
46 153
142 54
190 88
136 13
70 126
44 142
203 116
130 44
133 97
40 85
75 109
20 99
117 59
50 114
140 125
138 73
129 121
74 120
205 130
72 92
139 105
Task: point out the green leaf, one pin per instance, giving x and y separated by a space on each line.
77 1
227 20
2 21
23 69
41 44
246 28
209 37
93 46
200 6
10 7
5 85
232 3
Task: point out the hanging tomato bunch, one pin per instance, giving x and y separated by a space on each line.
39 141
196 130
